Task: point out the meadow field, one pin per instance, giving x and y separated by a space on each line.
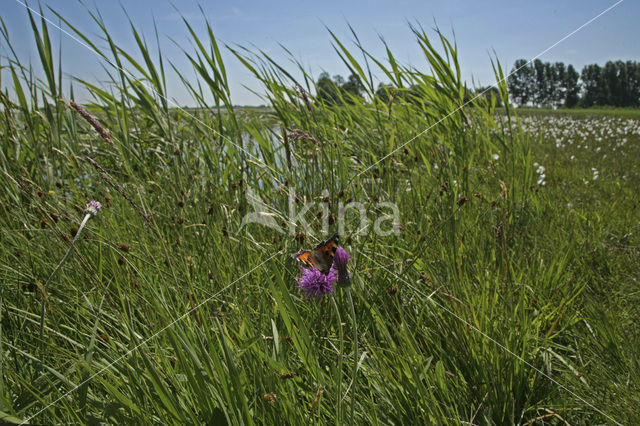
494 280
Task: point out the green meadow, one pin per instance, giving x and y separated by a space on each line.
506 292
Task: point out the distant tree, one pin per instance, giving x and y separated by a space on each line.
558 91
544 84
541 91
521 83
327 90
620 84
385 92
539 83
336 89
592 85
571 87
338 80
489 92
615 84
547 84
556 85
625 77
353 86
633 74
612 86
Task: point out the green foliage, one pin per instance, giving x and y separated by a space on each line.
491 93
572 86
338 91
494 304
617 84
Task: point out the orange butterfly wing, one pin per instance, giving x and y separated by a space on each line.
303 256
321 257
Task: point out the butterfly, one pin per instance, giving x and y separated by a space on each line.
321 257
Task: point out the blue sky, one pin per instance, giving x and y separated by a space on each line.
513 29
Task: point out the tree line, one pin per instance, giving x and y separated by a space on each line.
537 83
555 85
337 90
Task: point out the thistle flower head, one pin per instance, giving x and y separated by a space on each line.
316 284
93 207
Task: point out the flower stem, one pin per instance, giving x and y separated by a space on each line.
341 351
44 299
356 356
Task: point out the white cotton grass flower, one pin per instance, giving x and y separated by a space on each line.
540 170
495 157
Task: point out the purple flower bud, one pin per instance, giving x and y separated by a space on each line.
93 207
340 260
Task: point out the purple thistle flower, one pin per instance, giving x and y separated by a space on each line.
93 207
340 261
316 284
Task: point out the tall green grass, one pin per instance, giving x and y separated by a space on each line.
169 312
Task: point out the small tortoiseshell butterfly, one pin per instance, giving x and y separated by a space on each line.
321 257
